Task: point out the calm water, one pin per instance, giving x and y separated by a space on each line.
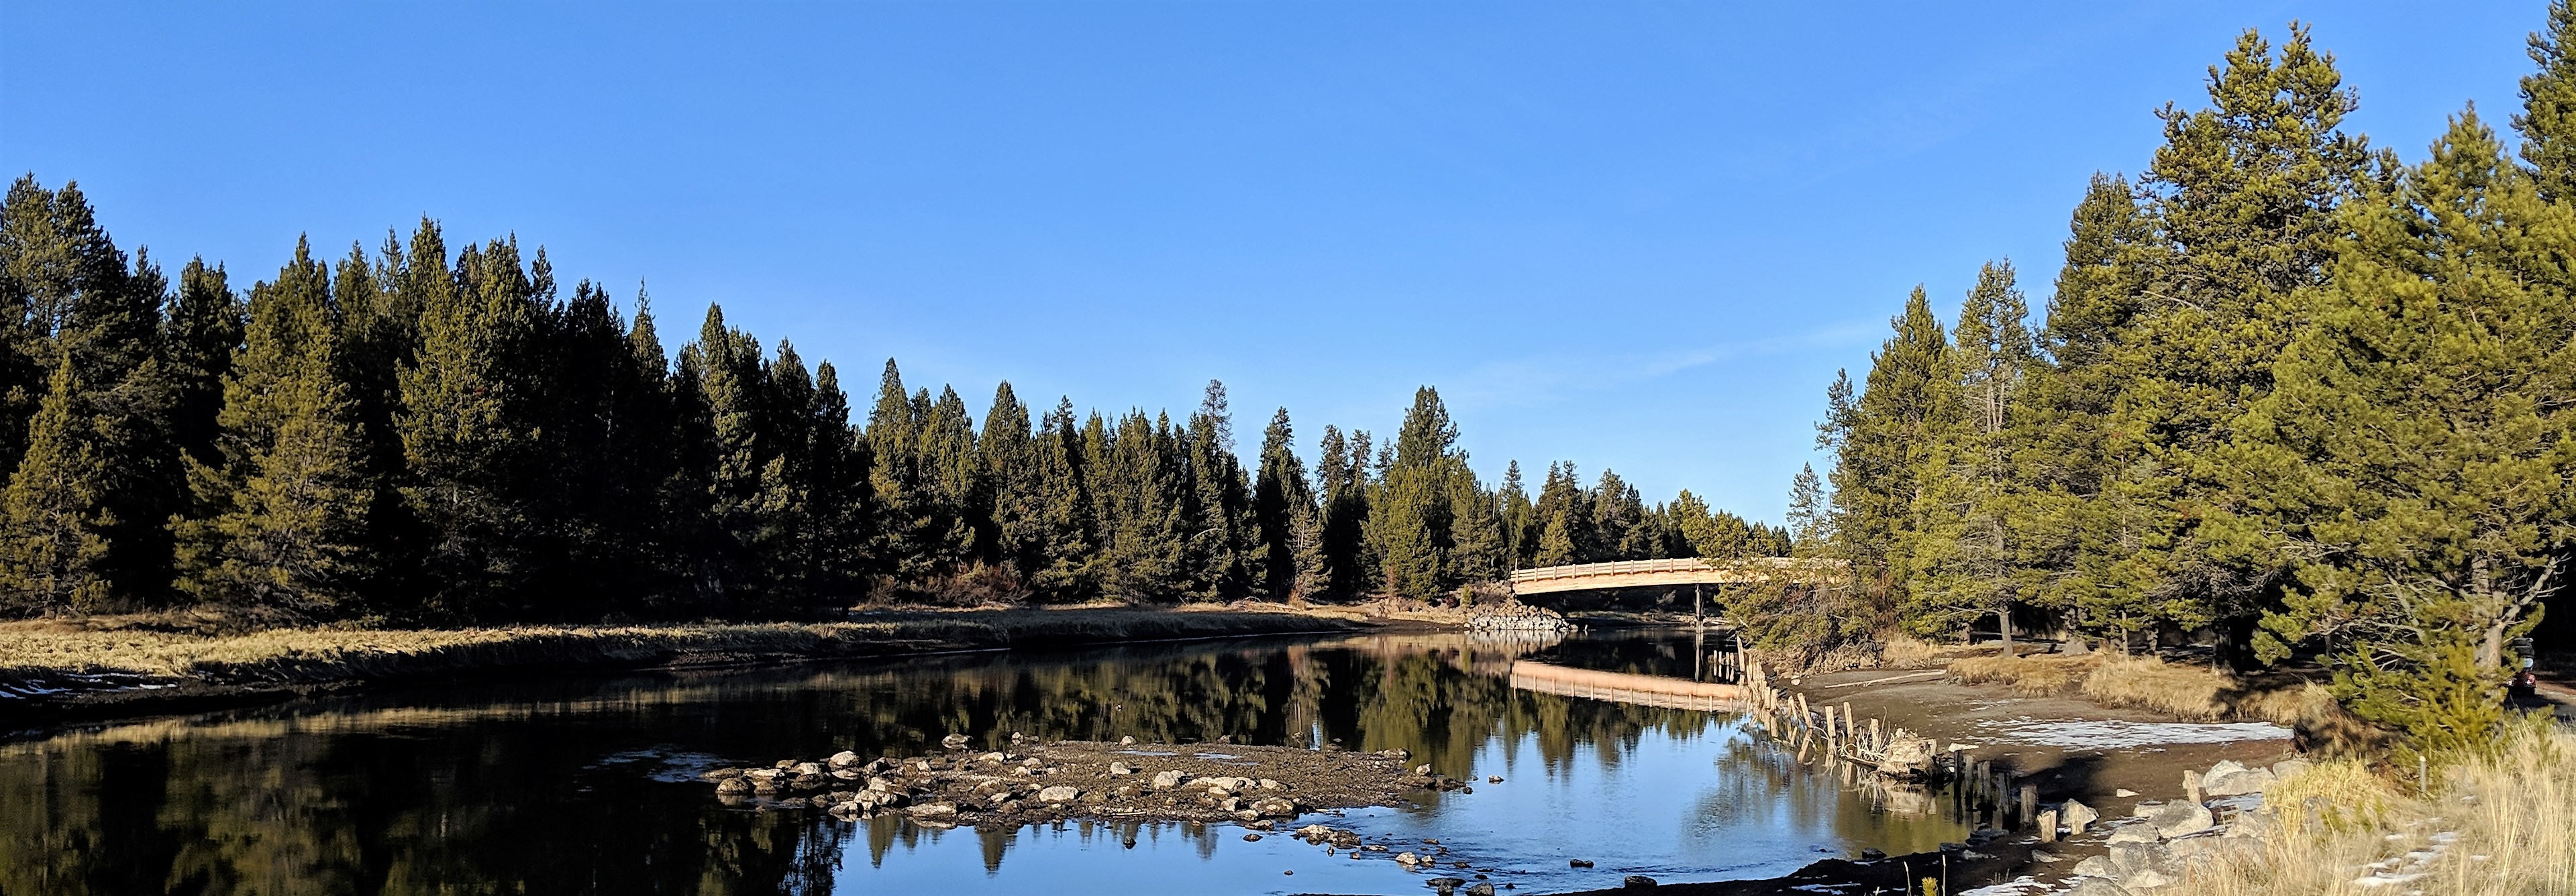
584 784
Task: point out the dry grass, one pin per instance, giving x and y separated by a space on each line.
2028 676
1903 651
54 655
2188 692
2506 817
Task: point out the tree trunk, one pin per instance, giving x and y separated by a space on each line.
2003 623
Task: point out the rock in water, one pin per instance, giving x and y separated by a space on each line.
955 741
1908 755
1407 859
1480 888
843 759
1578 863
1635 881
735 786
1275 807
1446 885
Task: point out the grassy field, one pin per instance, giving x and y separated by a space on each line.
2487 825
48 661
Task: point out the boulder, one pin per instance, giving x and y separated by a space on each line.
1167 780
1407 859
1480 888
1446 885
810 782
1908 755
734 786
1267 784
2288 767
1635 881
2147 879
1059 794
2096 886
2076 816
2133 833
719 774
2201 851
1275 807
1121 768
845 774
2097 866
2132 858
955 741
843 759
935 811
1127 741
2182 819
2241 781
807 768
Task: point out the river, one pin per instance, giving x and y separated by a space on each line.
586 784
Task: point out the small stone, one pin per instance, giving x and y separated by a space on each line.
2124 793
1423 769
1493 779
734 786
1166 780
1252 838
1480 889
843 759
1121 768
1636 881
1059 794
1407 859
955 741
1129 742
1578 863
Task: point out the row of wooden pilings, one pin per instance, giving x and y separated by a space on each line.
1986 793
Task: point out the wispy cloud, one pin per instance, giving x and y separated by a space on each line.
1558 376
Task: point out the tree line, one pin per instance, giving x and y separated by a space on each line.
2288 392
421 435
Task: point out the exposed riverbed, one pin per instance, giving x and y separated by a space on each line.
593 783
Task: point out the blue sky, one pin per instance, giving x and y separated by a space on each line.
1640 236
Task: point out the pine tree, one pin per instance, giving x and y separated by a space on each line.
1967 555
1519 517
464 427
1019 497
1221 512
283 519
2548 117
2247 196
202 330
1884 437
1070 555
1280 499
1810 513
55 524
2416 450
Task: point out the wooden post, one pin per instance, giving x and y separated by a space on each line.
2191 786
1874 742
1850 728
2030 803
2048 826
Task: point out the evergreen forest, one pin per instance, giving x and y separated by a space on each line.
420 436
2288 394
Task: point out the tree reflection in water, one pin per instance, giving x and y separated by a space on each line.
582 784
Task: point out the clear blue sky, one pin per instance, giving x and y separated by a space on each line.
1640 236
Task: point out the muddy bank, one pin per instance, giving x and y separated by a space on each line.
62 671
1028 782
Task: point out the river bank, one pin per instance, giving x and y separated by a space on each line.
59 670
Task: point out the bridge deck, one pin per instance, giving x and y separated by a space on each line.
1684 571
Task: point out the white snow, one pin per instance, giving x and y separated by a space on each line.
2103 734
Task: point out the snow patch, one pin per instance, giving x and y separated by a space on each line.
2105 734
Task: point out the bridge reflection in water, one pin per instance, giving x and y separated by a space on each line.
1624 687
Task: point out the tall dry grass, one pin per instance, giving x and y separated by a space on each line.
2496 824
2145 682
50 656
2028 676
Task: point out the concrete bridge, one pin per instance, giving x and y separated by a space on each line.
1686 571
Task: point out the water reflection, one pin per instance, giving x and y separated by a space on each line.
582 785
